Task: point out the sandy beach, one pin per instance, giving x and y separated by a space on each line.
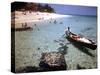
27 17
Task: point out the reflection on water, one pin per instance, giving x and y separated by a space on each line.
48 36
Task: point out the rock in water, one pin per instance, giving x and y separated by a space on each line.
52 61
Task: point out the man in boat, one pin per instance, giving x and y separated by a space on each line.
69 29
84 41
76 37
72 35
68 32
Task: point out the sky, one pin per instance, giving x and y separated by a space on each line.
74 9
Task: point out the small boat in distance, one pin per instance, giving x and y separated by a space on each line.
82 41
21 29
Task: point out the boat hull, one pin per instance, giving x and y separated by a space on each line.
91 45
21 29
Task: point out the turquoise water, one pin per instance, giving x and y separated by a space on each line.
48 36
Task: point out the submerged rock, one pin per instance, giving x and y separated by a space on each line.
63 49
29 69
83 67
52 61
61 22
38 48
80 67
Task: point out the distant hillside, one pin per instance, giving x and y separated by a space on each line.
24 6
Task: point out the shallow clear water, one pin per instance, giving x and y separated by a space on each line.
48 36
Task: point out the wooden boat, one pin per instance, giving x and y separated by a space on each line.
82 41
21 29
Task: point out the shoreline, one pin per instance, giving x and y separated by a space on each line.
18 18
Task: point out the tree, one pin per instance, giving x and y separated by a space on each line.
23 6
17 6
48 8
32 6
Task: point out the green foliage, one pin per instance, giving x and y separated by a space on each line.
23 6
